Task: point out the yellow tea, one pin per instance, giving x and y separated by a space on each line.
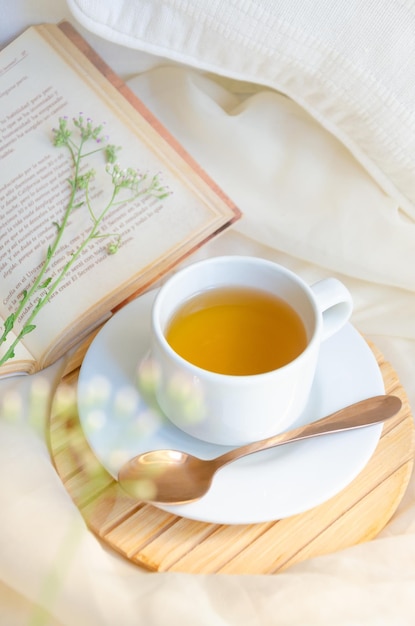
237 331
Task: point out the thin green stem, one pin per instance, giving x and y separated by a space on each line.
52 249
53 285
87 154
121 179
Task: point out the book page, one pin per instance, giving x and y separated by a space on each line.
37 87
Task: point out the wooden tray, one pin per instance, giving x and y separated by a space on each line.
160 541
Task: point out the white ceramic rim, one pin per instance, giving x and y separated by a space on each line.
228 378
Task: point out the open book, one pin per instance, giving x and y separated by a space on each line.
47 73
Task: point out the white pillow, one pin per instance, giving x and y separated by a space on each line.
350 64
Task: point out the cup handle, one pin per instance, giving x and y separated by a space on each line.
335 303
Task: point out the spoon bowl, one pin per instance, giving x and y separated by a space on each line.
175 477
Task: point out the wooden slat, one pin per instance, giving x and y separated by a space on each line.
160 541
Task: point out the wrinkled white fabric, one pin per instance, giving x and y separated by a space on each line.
307 204
299 189
350 64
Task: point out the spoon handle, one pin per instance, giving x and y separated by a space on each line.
364 413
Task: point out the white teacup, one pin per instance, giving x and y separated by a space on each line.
237 409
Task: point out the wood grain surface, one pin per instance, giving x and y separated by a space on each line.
160 541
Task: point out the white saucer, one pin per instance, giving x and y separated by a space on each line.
270 485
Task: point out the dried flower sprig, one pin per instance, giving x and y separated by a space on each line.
77 141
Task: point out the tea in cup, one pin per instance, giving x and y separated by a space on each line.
235 343
237 331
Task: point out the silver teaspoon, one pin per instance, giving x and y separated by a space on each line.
174 477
